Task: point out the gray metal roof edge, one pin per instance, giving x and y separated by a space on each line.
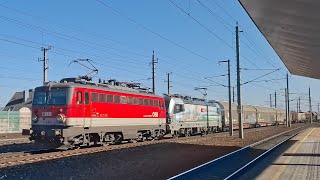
264 36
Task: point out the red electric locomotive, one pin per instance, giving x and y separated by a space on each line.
76 112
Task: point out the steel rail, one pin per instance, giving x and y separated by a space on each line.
36 155
229 155
247 166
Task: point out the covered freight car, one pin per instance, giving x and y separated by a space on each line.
300 117
248 113
281 116
253 116
224 110
266 116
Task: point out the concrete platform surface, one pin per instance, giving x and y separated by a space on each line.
299 159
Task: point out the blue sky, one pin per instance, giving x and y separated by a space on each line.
121 46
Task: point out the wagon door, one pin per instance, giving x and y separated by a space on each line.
87 110
79 110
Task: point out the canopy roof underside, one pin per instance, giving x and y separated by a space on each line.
292 27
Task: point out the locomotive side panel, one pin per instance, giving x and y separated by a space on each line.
192 116
198 114
129 114
117 109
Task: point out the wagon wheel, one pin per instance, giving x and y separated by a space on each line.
175 134
187 132
143 139
75 147
203 132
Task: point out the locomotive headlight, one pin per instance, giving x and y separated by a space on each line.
61 118
35 118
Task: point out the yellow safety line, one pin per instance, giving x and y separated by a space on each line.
288 159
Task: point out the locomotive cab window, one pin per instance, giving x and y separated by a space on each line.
40 98
55 96
79 97
178 108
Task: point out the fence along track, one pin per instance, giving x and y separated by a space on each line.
15 121
229 165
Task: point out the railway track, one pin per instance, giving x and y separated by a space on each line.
17 141
11 159
232 165
26 140
31 156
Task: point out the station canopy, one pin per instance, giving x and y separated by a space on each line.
292 27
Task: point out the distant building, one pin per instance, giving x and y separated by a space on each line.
20 100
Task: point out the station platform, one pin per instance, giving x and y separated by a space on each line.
298 158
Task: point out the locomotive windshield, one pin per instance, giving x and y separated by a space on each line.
52 97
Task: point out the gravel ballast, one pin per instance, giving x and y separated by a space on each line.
157 161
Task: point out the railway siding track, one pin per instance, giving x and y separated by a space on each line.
231 165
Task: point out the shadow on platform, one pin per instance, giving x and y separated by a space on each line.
267 160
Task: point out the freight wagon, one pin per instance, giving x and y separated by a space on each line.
253 116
